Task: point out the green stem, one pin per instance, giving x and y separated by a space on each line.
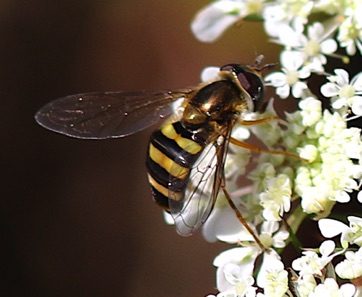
293 223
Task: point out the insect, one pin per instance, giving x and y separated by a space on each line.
186 156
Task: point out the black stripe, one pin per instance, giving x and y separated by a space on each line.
178 185
163 201
180 130
158 173
160 199
161 176
200 135
172 150
165 145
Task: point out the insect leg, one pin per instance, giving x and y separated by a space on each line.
260 150
239 215
259 121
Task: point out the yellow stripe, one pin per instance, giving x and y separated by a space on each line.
188 145
164 191
166 163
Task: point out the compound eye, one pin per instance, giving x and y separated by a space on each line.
250 81
229 67
253 84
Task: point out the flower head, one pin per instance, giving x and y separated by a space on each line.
307 163
350 33
330 288
351 234
351 267
343 92
290 76
234 270
311 48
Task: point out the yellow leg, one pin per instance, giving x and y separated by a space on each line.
259 121
260 150
240 217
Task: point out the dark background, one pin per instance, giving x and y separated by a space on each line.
76 217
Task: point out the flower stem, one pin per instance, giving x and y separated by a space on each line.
293 223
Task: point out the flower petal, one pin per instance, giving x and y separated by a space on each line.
329 90
328 46
283 92
277 79
330 228
327 247
342 77
210 73
214 19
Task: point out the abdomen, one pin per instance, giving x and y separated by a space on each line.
172 152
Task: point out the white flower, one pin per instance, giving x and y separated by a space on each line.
326 249
312 264
274 17
309 152
268 132
211 22
313 48
344 93
237 158
351 234
224 225
355 234
289 77
267 238
235 268
260 174
351 267
311 111
317 200
305 284
283 13
329 288
236 162
330 228
329 167
240 283
273 278
330 174
350 34
276 197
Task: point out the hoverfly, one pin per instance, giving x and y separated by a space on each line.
186 156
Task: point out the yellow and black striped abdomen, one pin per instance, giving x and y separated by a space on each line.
171 154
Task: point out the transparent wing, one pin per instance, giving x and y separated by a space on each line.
107 115
203 185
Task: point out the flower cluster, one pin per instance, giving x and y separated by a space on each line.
283 189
